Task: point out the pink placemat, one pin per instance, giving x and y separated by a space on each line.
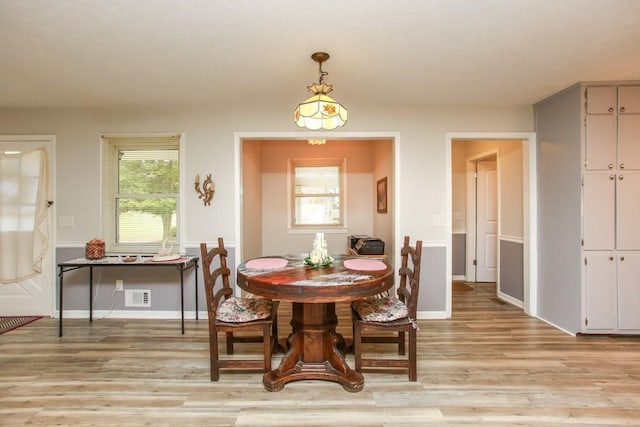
364 264
266 263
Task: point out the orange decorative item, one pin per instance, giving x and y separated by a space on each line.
95 249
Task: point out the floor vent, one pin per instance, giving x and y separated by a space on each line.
137 298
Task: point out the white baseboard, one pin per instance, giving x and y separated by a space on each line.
556 326
511 300
132 314
423 315
458 277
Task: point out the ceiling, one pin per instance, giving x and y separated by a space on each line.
75 53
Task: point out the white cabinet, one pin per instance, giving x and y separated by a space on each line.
611 209
601 291
612 127
629 290
628 211
599 206
612 291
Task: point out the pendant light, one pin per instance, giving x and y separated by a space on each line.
320 111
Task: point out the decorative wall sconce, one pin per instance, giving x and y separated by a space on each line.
208 188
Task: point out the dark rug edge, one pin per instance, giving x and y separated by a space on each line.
26 321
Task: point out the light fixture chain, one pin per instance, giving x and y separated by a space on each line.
322 73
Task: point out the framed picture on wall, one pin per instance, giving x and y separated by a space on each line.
381 191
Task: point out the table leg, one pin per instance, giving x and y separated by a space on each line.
195 271
313 351
182 297
90 294
60 273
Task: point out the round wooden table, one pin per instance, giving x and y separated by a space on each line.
314 343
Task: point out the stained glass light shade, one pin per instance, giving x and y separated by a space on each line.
320 111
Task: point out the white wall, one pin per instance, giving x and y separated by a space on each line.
210 149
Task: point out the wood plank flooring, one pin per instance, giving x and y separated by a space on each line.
488 365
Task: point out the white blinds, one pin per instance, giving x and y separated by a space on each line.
142 193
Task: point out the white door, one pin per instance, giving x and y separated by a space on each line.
602 296
628 290
628 210
599 210
35 295
487 222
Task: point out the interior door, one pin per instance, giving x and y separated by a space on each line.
487 221
35 295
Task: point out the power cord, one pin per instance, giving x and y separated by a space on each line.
113 297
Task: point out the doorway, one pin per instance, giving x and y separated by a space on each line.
515 239
262 196
33 294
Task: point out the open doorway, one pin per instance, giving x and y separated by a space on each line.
263 199
493 176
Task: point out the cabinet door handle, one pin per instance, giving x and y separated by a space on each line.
610 258
610 165
612 177
621 177
621 165
621 258
622 109
611 109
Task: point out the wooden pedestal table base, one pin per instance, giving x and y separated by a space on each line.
314 350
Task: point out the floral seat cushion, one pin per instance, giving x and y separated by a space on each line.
384 309
238 310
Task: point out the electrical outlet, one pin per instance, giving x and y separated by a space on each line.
119 285
438 220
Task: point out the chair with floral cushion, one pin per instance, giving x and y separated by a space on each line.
394 314
230 315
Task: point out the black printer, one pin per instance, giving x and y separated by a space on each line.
353 239
369 246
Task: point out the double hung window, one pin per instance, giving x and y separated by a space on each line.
141 193
317 193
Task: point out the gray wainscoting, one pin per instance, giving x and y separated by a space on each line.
458 254
163 282
433 276
512 269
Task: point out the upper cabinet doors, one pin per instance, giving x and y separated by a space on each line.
612 127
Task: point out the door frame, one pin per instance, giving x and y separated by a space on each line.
393 201
471 237
529 211
48 141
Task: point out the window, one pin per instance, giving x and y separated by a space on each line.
141 196
317 193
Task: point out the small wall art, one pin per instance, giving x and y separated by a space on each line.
381 191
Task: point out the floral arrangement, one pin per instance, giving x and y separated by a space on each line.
319 256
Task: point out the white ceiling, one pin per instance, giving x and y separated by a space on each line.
409 52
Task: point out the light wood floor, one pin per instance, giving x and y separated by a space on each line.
489 365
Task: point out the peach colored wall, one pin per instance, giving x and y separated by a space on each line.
276 237
252 199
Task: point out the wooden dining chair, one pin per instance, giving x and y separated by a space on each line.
394 314
230 315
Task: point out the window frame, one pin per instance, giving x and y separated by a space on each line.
292 164
111 145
